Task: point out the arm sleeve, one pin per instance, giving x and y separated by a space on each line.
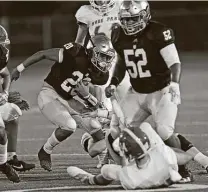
170 55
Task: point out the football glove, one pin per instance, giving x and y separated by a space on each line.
174 90
109 90
16 98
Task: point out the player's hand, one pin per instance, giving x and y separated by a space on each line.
15 74
174 90
82 89
3 98
100 112
109 90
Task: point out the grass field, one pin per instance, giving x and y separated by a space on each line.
34 129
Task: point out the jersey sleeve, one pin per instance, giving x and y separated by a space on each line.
164 37
82 15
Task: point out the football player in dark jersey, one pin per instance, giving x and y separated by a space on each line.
9 114
66 94
147 51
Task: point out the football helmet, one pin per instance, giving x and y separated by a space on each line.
103 6
134 16
101 52
134 143
4 42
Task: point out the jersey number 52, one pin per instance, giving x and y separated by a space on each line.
135 69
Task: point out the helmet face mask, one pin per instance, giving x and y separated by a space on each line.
102 6
102 53
134 16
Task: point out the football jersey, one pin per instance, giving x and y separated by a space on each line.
75 66
96 22
141 56
4 53
159 171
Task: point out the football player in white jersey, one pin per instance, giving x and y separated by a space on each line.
143 161
99 17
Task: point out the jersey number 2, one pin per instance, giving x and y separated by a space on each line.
66 85
135 69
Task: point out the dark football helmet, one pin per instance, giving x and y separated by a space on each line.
103 6
101 52
134 16
134 143
4 42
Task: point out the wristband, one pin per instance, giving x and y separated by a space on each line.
91 99
115 81
20 67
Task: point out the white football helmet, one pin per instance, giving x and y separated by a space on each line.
134 15
102 53
103 6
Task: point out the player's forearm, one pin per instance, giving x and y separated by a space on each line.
81 34
119 73
55 54
6 80
176 72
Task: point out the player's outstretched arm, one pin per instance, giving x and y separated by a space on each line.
5 74
55 54
81 34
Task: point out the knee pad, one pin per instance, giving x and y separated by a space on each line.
185 144
12 112
85 141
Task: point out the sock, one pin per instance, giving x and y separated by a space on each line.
51 143
92 180
201 159
3 153
10 155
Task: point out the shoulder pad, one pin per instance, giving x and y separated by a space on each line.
73 48
83 14
161 34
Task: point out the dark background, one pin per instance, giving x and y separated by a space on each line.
33 26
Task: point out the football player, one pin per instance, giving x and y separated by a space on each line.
99 17
9 114
67 93
147 50
144 162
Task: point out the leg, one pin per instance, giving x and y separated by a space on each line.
5 168
48 102
191 150
165 112
108 174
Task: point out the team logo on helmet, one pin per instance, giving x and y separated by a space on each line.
102 52
103 6
134 144
134 16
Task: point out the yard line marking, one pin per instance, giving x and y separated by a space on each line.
56 155
185 134
176 187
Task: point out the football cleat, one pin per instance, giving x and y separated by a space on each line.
186 175
45 160
10 173
79 174
20 165
103 158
